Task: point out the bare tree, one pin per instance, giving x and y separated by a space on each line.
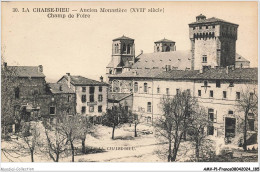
56 140
136 119
85 127
247 103
175 119
196 129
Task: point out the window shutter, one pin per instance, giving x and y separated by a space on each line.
215 116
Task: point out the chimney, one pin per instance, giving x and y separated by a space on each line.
69 79
101 79
40 68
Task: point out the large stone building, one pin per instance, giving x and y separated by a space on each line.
91 95
211 70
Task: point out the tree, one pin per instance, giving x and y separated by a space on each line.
56 140
114 117
176 117
196 129
136 119
248 102
8 83
85 127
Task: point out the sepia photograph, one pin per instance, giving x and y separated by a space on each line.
148 82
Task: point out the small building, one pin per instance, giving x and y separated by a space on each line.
63 100
241 62
91 95
123 99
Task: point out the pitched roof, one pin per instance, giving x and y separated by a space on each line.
26 71
118 96
138 73
122 38
240 58
211 20
80 80
249 74
164 41
177 59
58 88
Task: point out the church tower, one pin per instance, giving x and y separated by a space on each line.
213 42
123 55
164 45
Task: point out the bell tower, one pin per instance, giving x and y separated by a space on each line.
164 45
123 55
213 42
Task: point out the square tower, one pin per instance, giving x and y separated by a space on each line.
164 45
213 42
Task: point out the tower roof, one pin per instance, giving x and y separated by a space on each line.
123 38
211 20
164 41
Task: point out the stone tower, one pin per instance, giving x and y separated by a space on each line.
213 42
123 55
164 45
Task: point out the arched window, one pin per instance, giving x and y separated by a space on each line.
124 49
128 49
145 87
116 48
135 87
167 49
158 49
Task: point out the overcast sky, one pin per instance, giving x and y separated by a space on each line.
83 46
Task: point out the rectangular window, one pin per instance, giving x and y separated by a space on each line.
69 98
167 91
83 98
158 90
177 91
231 84
251 96
91 108
211 115
218 83
149 107
251 124
199 93
213 26
99 108
83 109
91 90
52 110
100 98
100 88
210 130
17 93
224 94
207 27
204 59
211 93
83 89
91 98
238 95
145 87
135 87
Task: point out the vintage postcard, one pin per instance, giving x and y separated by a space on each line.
130 82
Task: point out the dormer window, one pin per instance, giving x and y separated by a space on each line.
205 83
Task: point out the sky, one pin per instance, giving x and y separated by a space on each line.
83 46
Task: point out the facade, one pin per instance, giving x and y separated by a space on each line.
216 89
63 100
123 99
24 93
211 70
91 95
